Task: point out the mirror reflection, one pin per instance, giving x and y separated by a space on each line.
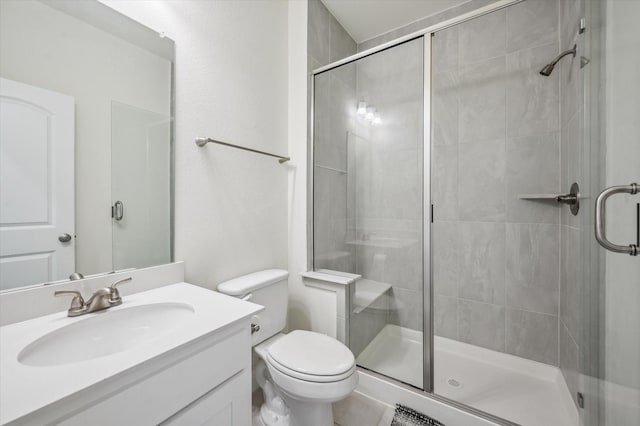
85 142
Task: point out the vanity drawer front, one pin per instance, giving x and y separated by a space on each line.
226 405
168 390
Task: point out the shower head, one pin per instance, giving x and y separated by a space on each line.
548 69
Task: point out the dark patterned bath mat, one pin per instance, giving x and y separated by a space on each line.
405 416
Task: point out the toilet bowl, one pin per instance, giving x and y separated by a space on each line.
310 371
303 372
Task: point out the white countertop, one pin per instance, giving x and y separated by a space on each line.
25 389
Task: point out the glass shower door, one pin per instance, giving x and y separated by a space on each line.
368 168
607 371
140 182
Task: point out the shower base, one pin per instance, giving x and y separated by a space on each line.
507 386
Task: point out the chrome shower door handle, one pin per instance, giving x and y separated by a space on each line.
631 249
117 211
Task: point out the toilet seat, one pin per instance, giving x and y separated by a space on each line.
312 357
309 377
313 391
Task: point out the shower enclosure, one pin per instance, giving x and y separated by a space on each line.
442 164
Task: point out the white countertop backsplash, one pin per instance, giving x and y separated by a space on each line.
35 301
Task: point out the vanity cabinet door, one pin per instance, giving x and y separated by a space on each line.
226 405
162 392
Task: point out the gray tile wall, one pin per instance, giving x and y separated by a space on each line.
334 114
496 134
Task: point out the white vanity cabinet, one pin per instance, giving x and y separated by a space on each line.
198 373
211 381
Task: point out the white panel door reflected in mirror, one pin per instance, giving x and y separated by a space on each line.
36 185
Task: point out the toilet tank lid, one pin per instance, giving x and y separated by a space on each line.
247 283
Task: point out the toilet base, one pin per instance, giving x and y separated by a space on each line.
280 409
291 411
303 413
269 417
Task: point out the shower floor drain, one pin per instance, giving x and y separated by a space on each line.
455 384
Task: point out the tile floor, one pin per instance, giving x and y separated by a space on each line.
356 410
360 410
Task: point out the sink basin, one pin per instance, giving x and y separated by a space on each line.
105 333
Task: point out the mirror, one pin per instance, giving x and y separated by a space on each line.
86 151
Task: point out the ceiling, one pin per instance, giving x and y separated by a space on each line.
365 19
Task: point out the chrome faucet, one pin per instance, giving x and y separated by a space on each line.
103 298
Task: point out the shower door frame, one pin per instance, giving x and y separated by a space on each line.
428 332
427 326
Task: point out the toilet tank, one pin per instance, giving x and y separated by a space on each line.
267 288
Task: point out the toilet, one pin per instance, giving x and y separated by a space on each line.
301 373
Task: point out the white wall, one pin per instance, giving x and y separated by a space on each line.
78 66
241 76
297 202
231 84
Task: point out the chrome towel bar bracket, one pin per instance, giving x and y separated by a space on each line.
600 225
203 141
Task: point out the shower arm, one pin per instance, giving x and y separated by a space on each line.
546 71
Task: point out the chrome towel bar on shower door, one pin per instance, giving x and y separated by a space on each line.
203 141
601 236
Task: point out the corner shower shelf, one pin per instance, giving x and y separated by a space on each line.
572 199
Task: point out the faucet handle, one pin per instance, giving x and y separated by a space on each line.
115 294
77 303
